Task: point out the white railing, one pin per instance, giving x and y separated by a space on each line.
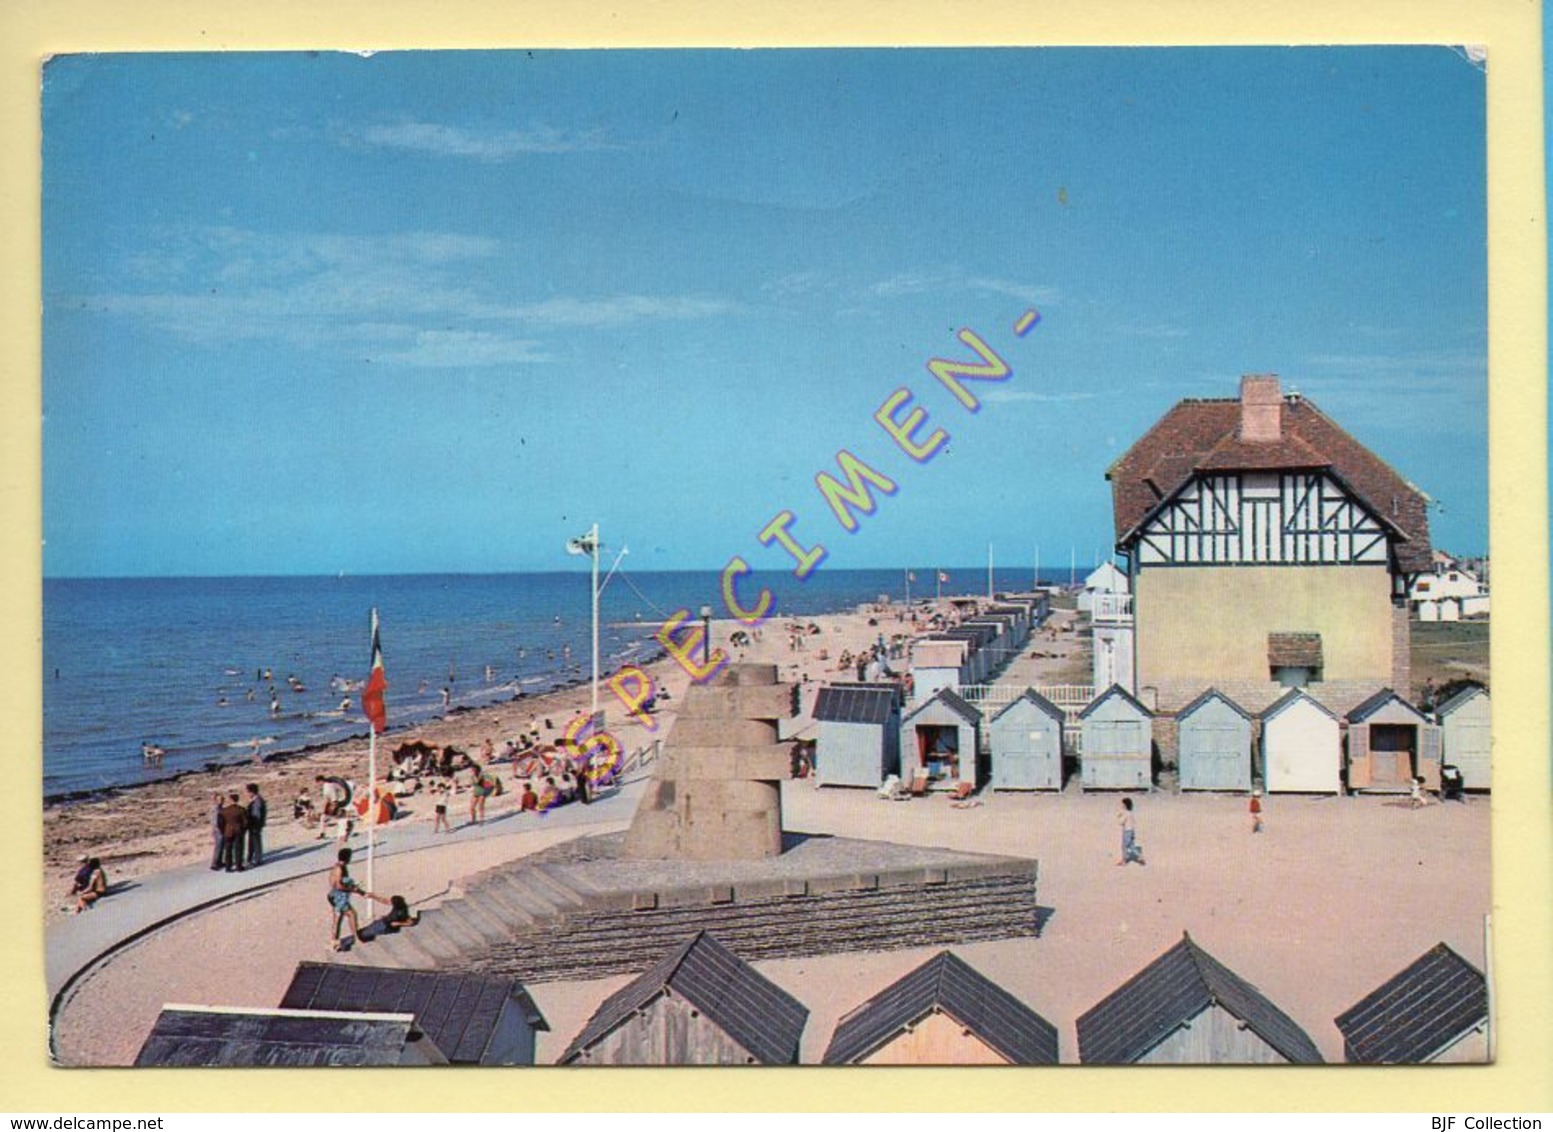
1111 607
1065 696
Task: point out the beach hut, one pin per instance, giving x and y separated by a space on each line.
1465 721
243 1037
1117 743
1389 742
943 1013
1434 1011
1214 750
1187 1008
937 664
939 741
473 1019
698 1005
1025 738
859 734
1302 747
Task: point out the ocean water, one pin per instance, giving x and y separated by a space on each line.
174 661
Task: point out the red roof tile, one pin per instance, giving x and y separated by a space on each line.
1203 435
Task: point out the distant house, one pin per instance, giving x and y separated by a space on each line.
1302 747
1105 579
943 1013
473 1019
1465 736
1117 743
859 734
242 1037
1242 519
1187 1008
698 1005
1026 742
940 738
939 663
1389 742
1214 744
1448 592
1434 1011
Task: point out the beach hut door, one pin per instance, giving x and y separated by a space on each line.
1219 752
1393 748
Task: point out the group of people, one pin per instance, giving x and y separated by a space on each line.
342 887
238 828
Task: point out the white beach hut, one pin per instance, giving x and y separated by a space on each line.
1465 725
1302 751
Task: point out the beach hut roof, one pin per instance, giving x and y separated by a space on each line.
1289 699
1459 698
1040 701
1294 650
1212 694
748 1007
459 1011
1380 699
1172 990
1204 435
953 700
946 983
1110 693
856 703
214 1036
1416 1013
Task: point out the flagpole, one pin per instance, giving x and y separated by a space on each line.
371 775
989 571
1037 587
594 535
908 591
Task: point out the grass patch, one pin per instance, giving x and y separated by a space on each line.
1449 650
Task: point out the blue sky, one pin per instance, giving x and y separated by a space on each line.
438 311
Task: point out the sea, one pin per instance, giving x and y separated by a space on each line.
190 664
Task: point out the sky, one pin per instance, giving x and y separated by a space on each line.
307 313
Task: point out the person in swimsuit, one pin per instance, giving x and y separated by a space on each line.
91 884
341 889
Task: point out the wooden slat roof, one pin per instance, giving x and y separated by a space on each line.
951 699
946 983
1294 650
1030 695
194 1036
1459 698
459 1011
1203 435
743 1003
1115 691
1372 704
1207 697
1418 1012
1183 982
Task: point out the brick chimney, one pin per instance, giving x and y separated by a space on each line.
1261 408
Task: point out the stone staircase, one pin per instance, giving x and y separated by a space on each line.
542 922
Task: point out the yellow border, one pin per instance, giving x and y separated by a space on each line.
32 29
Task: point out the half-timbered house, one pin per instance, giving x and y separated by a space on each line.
1254 524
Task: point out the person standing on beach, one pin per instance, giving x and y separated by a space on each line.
234 821
440 822
1131 850
215 853
258 817
1256 811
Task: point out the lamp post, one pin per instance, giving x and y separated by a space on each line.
706 638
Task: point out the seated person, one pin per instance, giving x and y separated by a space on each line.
530 800
91 884
399 914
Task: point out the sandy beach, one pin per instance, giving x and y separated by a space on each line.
1337 895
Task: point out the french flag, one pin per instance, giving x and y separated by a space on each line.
377 684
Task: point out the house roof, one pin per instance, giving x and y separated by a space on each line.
1032 696
856 703
1212 694
1459 698
1415 1014
1380 699
1183 982
945 983
1113 690
744 1004
186 1036
1294 650
1289 699
1203 435
459 1011
953 700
